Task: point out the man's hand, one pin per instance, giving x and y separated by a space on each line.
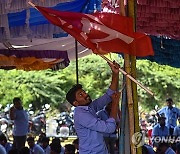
114 67
115 97
115 75
115 103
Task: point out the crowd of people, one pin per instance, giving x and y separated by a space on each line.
165 135
21 137
43 145
96 123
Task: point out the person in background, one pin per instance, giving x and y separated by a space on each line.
178 148
89 127
24 150
45 145
171 113
176 132
147 149
56 147
41 136
69 149
2 149
20 117
76 144
164 148
110 138
3 141
34 148
160 130
14 151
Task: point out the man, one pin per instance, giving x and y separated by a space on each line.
2 144
69 149
176 132
76 145
2 150
89 127
5 143
45 145
164 148
34 148
147 149
110 138
20 117
171 113
160 130
56 147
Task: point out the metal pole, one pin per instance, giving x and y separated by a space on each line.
76 52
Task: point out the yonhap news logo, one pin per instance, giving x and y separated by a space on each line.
166 139
138 139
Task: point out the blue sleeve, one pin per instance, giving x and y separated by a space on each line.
161 111
87 120
154 131
102 101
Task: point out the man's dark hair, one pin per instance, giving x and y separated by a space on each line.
70 148
55 148
30 139
169 100
16 99
13 151
76 141
144 150
24 150
45 139
56 145
71 94
3 138
56 140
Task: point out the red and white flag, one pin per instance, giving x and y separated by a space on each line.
101 32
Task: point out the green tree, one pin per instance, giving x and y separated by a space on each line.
41 87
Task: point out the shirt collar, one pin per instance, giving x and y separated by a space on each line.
160 126
169 108
83 107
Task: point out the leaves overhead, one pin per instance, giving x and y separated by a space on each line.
41 87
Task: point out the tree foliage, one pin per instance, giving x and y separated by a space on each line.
41 87
163 80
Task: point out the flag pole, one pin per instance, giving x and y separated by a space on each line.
129 76
32 4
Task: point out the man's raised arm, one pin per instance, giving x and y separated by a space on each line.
115 76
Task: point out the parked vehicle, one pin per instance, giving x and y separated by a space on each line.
38 122
65 124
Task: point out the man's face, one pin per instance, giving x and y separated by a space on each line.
18 105
45 144
82 98
169 103
31 144
162 122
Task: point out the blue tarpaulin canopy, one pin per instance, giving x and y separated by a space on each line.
24 28
167 51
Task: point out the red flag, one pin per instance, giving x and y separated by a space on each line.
101 32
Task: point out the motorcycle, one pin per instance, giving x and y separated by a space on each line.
65 125
38 122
